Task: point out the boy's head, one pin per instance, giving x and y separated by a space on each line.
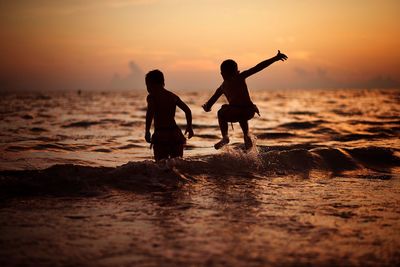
154 79
229 68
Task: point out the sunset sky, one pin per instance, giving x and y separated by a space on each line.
104 45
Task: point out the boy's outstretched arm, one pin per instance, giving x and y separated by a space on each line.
188 113
207 106
262 65
149 119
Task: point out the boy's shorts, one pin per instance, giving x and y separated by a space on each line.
168 143
233 113
165 151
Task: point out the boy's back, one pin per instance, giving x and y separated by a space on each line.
164 103
167 139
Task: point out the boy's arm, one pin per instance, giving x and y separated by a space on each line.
149 119
188 113
207 106
262 65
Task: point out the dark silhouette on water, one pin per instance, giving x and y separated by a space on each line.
167 139
240 108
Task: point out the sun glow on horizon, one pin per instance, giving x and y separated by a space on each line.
87 44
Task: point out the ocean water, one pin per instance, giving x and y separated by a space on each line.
78 185
107 129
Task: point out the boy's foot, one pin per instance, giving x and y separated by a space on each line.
220 144
248 143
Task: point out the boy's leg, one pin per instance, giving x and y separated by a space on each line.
160 152
223 125
176 150
245 128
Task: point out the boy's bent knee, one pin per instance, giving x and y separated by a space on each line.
223 112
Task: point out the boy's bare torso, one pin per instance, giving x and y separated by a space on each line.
236 92
164 104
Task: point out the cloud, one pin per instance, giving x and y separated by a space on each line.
316 77
301 71
134 79
320 77
381 82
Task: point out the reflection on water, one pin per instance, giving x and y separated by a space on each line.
246 221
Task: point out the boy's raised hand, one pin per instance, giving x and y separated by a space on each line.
189 131
281 56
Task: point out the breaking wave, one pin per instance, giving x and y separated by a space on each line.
141 176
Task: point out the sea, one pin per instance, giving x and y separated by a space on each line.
321 186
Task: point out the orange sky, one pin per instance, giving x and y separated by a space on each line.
111 44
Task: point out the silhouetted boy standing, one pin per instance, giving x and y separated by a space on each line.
167 139
240 108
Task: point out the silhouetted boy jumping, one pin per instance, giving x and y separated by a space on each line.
240 108
167 139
